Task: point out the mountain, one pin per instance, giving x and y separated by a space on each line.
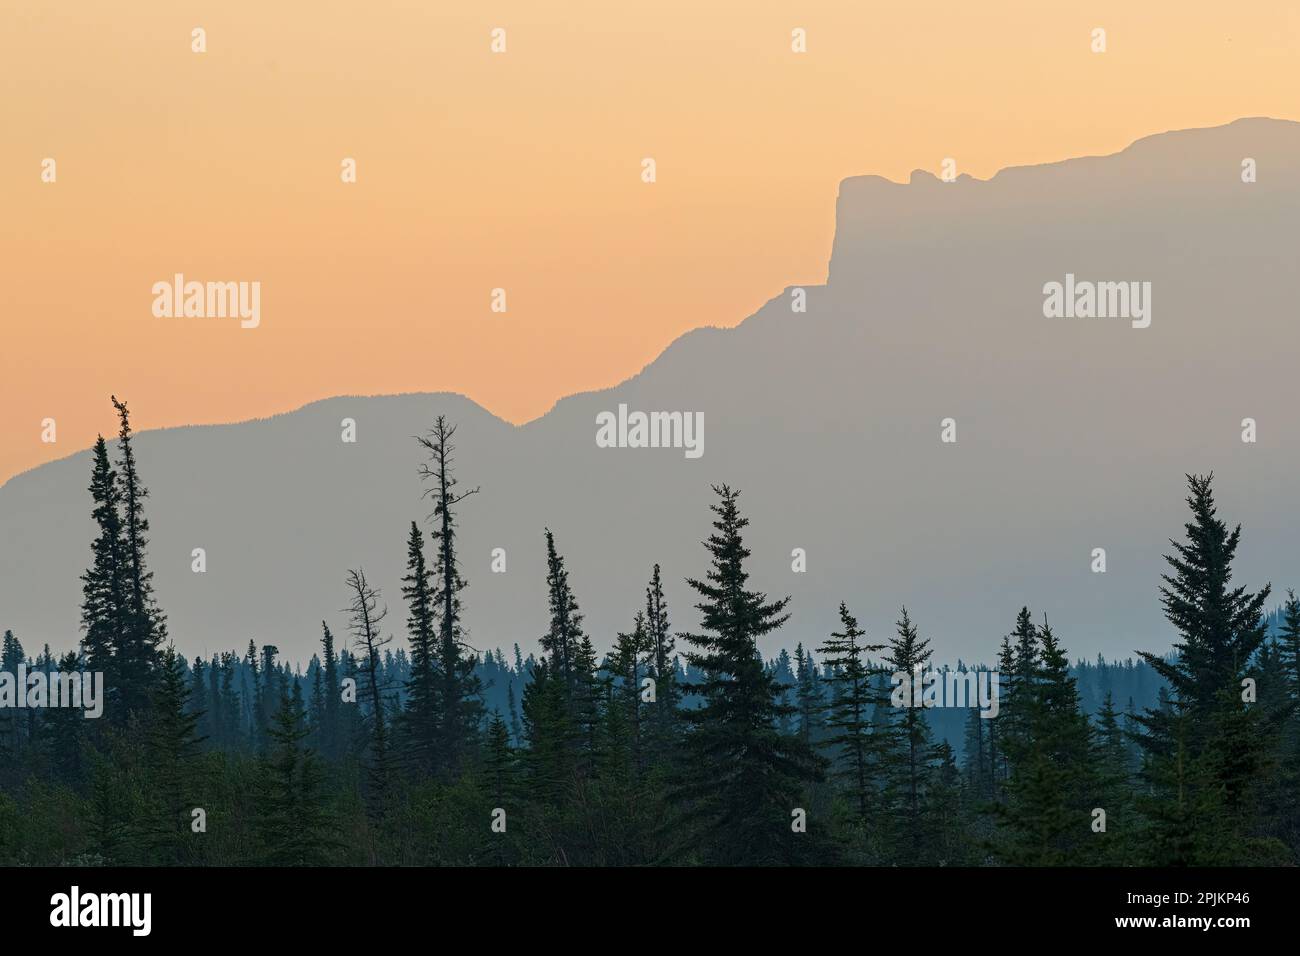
1072 434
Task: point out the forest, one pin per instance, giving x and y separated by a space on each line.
676 747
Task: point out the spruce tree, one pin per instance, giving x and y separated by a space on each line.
199 699
625 667
976 765
908 733
565 634
1207 751
744 779
422 722
1046 820
852 700
551 735
105 606
1019 660
172 744
295 827
459 707
1289 644
12 732
365 618
232 705
330 743
216 717
63 731
499 771
145 627
255 699
661 648
809 699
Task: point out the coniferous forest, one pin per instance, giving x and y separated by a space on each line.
399 743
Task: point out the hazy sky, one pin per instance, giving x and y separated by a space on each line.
519 170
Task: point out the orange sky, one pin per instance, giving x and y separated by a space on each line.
519 170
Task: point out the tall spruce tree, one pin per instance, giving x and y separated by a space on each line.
460 706
105 606
145 627
744 779
1205 752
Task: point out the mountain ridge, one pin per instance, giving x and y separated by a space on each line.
1070 435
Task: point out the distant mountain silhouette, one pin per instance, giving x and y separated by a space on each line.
1072 434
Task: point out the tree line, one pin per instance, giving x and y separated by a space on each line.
674 747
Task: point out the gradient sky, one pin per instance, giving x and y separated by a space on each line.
519 171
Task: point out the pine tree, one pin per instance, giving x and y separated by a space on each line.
1020 660
232 704
565 633
365 619
625 666
460 706
171 746
852 701
499 761
743 778
1115 759
12 732
295 827
330 742
1046 819
516 728
549 730
199 699
978 767
255 700
947 841
216 717
1221 628
499 768
809 700
1289 644
105 606
908 733
422 722
1207 751
316 709
272 685
63 731
586 703
1000 733
145 627
661 648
